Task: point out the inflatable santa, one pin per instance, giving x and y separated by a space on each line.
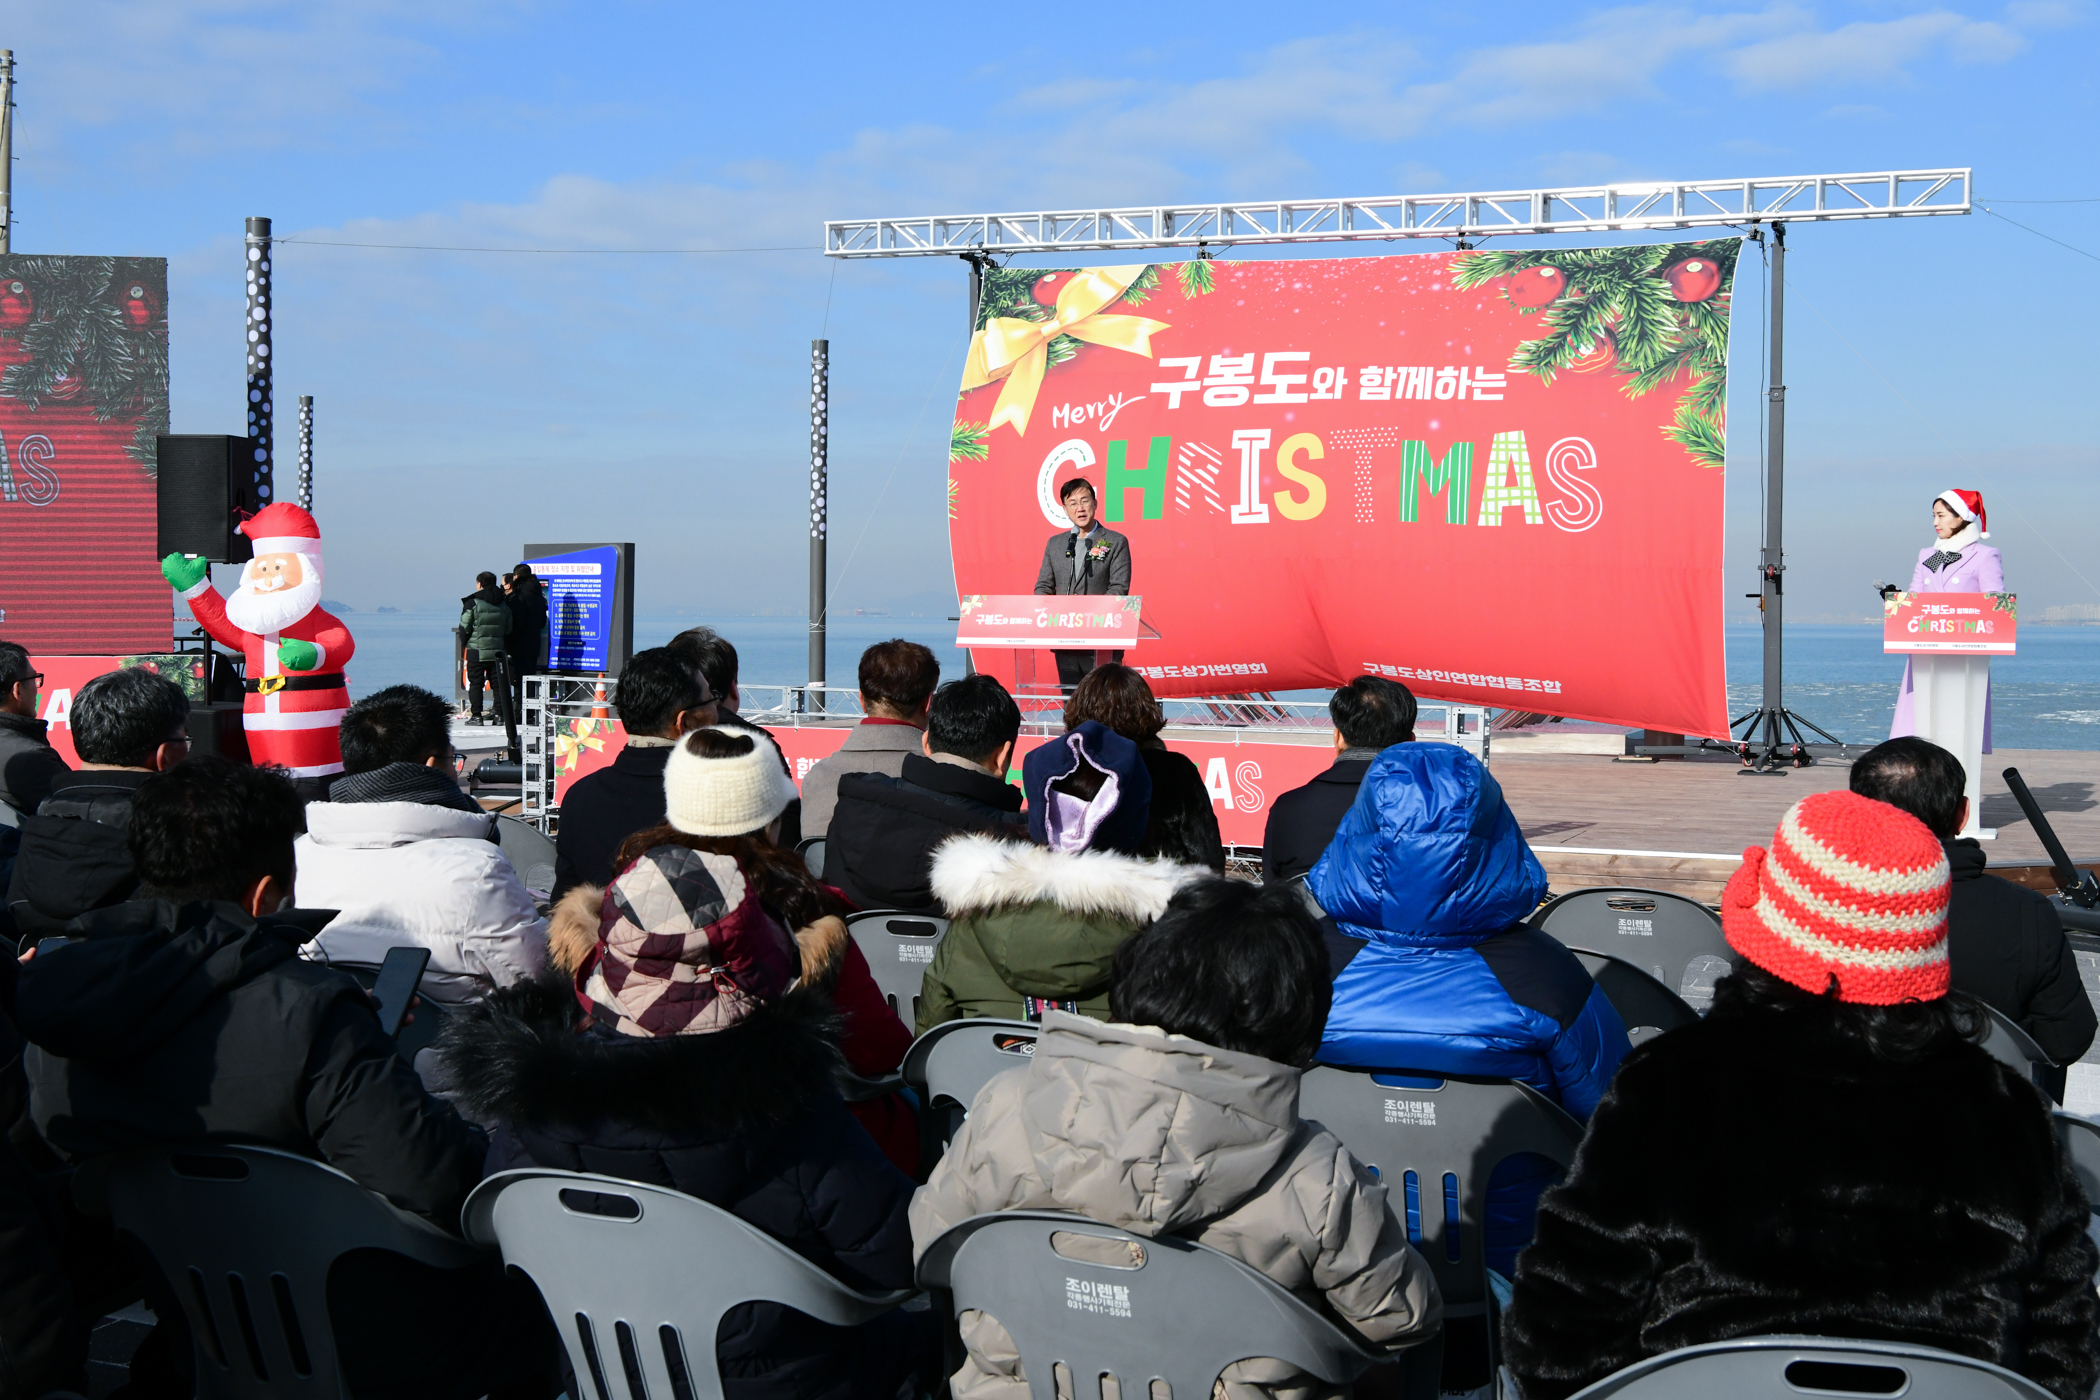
295 650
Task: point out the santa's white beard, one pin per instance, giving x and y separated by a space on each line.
265 613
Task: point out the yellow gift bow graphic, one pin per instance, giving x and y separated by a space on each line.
1018 351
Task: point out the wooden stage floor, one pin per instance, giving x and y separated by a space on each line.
1664 824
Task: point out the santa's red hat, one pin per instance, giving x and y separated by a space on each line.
1969 506
282 529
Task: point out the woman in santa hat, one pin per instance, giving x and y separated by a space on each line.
1959 562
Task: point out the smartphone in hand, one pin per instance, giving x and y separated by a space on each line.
400 972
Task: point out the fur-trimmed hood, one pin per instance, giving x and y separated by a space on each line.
977 874
522 1057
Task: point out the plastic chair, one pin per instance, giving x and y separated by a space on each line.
2011 1045
1177 1311
1646 1006
1434 1141
811 849
950 1063
531 852
1752 1368
899 948
637 1277
1677 941
246 1236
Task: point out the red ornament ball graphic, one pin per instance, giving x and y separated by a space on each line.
17 304
1536 286
140 305
1047 287
1693 279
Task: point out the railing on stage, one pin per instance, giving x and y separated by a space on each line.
1232 719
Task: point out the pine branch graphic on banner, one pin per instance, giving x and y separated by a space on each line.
1655 314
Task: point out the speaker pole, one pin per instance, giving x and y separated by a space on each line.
7 152
819 511
259 420
306 452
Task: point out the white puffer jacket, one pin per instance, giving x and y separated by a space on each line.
406 873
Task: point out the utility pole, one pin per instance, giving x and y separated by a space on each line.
7 150
819 511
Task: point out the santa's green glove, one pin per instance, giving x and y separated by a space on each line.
183 572
298 656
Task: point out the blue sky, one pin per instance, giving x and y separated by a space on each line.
469 401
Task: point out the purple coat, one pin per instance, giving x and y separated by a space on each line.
1979 570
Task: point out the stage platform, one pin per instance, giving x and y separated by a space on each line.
1681 825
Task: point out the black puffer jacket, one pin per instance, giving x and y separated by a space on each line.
73 856
748 1119
1763 1172
879 850
1183 824
2006 947
165 1024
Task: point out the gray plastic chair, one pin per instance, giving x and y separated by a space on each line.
1675 940
1780 1368
811 849
1178 1311
1434 1141
1646 1006
899 948
531 852
950 1063
245 1236
637 1277
2008 1043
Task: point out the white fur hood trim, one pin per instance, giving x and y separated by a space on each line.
972 874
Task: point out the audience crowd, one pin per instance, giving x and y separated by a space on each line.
1828 1151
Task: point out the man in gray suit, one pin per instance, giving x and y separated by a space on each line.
1088 558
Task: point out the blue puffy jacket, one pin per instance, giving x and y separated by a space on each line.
1429 867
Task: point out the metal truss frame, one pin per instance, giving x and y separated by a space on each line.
1886 194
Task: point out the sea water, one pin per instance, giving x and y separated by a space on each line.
2046 697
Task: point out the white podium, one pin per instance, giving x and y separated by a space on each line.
1950 639
1949 693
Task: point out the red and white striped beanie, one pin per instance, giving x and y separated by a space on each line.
1851 887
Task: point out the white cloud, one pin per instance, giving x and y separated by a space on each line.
1869 50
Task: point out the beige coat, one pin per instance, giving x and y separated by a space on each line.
1159 1134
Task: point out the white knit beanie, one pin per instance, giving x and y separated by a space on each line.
725 796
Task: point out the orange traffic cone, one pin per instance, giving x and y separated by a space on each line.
598 710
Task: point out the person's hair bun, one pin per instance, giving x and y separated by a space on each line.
716 743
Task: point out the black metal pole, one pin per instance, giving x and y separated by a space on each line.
260 429
1772 561
819 511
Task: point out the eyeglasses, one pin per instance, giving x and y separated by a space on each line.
35 680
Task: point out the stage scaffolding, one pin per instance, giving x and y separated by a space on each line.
1771 735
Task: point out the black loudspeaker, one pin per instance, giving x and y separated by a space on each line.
217 729
209 484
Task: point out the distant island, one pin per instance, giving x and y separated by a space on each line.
390 610
333 606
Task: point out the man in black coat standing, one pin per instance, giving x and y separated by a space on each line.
884 830
661 696
1371 714
2006 945
1089 558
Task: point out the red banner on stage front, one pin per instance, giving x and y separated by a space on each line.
1494 476
1938 622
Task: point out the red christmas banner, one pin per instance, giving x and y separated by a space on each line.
1496 477
83 392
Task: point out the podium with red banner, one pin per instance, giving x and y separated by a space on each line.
1950 639
1028 624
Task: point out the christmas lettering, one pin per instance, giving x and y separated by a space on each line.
37 484
1436 483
